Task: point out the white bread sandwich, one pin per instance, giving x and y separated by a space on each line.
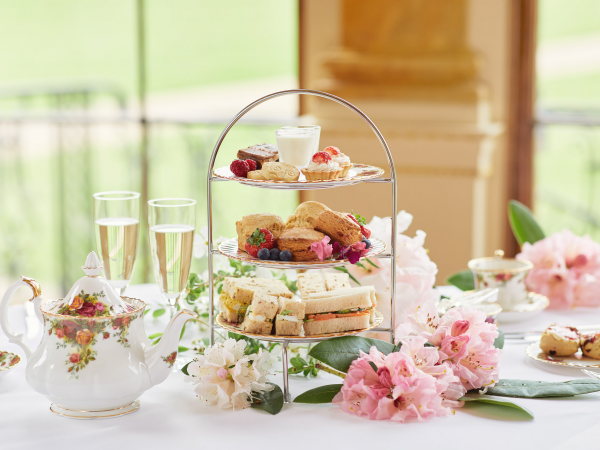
338 311
290 317
260 314
237 294
337 280
310 282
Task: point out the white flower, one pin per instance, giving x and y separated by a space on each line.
225 377
201 242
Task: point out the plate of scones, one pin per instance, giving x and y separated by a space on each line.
567 346
269 240
260 166
328 306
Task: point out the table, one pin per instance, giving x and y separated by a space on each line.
171 417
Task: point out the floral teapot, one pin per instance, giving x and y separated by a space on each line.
94 359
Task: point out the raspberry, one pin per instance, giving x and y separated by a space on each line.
239 168
321 158
333 151
251 165
261 238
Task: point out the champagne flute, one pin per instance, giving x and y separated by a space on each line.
117 226
172 222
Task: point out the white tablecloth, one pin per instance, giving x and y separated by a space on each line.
171 417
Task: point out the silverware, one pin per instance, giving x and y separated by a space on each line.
489 295
533 334
589 373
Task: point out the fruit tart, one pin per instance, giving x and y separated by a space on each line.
321 168
342 160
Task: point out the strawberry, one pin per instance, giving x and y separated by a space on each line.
365 231
261 238
239 167
321 158
251 165
333 151
361 222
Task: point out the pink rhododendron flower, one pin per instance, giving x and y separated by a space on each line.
323 249
397 390
566 269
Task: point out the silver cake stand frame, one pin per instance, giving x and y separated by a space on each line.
212 250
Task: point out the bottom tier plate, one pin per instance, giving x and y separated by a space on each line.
235 328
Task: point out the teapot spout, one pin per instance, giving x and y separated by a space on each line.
161 357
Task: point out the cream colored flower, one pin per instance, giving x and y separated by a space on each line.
225 377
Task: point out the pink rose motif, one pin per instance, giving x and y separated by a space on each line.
60 333
106 335
100 306
88 309
74 358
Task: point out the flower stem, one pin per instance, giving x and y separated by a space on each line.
330 370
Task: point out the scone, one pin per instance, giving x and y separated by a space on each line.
298 242
248 224
560 340
590 345
305 215
280 171
338 227
256 175
261 153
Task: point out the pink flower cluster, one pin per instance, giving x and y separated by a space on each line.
424 381
325 250
566 269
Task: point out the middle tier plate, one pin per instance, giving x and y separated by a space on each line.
230 249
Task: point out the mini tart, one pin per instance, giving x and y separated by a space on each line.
560 340
345 169
321 175
590 345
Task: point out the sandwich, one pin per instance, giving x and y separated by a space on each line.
317 282
338 311
260 314
338 280
290 317
237 294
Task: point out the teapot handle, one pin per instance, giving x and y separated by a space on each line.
14 338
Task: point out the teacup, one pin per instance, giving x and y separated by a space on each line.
506 274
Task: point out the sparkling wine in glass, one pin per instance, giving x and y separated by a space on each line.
172 222
117 227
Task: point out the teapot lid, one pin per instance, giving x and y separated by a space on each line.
92 295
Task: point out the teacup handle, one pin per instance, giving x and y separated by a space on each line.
13 337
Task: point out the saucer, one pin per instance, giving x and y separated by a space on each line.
577 361
8 361
534 304
88 415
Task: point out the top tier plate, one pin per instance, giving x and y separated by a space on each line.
357 174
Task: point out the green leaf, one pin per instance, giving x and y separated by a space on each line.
147 311
499 342
523 223
499 401
372 263
541 389
340 352
270 401
462 280
181 349
184 368
398 346
182 331
158 312
322 394
155 335
373 366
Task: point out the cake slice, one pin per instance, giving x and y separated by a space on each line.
260 153
260 314
290 317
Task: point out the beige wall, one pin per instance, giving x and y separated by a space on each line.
446 139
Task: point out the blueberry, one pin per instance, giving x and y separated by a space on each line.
274 254
285 255
367 242
263 253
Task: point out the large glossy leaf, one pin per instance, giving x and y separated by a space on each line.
540 389
462 280
340 352
269 401
322 394
499 342
523 223
498 401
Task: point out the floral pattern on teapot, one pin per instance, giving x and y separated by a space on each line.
87 305
170 359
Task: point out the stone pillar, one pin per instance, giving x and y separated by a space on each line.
409 65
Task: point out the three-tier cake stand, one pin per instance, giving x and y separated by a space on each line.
227 251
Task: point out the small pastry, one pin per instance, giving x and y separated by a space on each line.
250 223
260 153
590 345
256 175
560 340
305 215
298 242
339 227
321 168
279 171
341 159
